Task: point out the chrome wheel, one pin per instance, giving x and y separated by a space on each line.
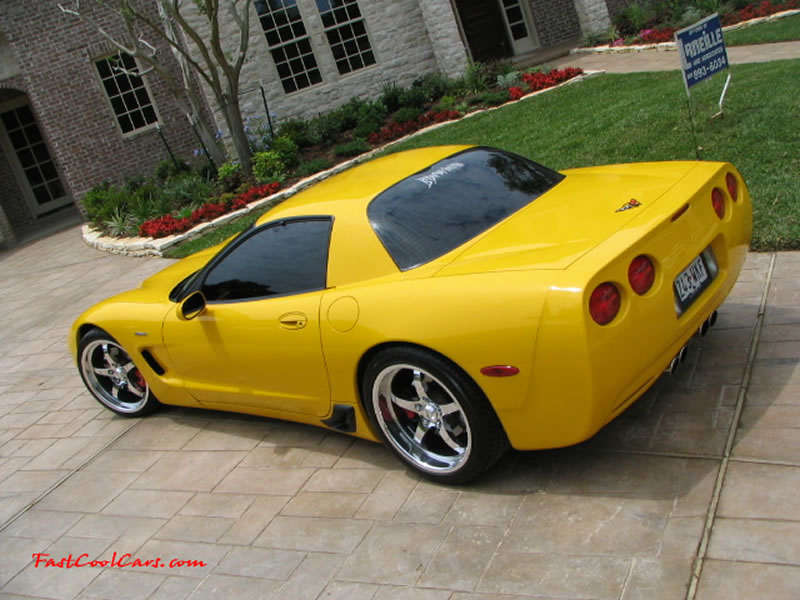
422 418
111 376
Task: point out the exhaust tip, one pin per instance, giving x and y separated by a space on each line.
682 354
712 319
704 327
673 366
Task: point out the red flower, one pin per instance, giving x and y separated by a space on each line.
515 93
170 225
758 9
539 81
396 130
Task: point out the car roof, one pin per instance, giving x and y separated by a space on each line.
348 193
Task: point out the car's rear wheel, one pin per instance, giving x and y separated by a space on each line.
112 377
431 414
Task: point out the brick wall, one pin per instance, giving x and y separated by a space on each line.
556 21
55 53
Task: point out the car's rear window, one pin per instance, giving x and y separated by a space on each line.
443 206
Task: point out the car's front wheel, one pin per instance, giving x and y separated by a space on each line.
431 414
112 377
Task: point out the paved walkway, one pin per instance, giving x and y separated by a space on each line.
667 60
691 493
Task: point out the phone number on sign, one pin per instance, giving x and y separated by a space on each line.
125 560
715 65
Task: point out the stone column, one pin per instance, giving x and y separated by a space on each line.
593 16
7 237
448 47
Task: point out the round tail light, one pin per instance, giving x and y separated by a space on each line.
604 303
641 274
733 186
718 202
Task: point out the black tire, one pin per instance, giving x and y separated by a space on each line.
111 377
431 414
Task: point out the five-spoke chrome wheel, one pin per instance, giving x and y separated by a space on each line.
112 377
422 418
431 414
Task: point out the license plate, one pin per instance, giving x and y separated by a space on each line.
691 282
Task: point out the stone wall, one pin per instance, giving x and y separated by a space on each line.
398 34
442 29
593 15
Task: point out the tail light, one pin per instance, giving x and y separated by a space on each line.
641 274
733 186
604 303
718 202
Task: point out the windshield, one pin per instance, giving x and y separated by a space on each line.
447 204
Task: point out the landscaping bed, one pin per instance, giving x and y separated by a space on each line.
654 22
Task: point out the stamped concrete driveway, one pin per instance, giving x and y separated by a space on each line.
693 493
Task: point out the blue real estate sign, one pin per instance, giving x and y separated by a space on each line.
702 50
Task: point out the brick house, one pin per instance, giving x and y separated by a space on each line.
69 121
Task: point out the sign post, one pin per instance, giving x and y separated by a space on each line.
703 54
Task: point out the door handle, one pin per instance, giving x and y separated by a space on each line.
293 320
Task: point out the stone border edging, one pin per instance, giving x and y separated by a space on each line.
667 46
140 246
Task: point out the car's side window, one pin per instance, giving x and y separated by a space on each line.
287 257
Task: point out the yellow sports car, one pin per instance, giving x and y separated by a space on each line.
448 301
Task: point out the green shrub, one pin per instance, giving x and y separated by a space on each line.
184 191
353 148
477 77
433 86
406 114
103 201
390 97
508 80
635 17
494 98
268 166
229 175
347 114
167 169
119 224
371 117
446 103
312 166
325 129
287 151
297 130
413 96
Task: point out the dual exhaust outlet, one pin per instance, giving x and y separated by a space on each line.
681 355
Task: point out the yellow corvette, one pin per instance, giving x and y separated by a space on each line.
448 301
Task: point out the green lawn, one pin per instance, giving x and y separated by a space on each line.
780 30
644 116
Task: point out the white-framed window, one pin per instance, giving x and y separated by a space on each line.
347 34
126 92
289 43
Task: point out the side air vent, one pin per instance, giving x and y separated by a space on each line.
343 418
150 360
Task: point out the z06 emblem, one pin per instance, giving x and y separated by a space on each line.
629 205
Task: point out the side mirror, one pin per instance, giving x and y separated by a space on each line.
193 305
